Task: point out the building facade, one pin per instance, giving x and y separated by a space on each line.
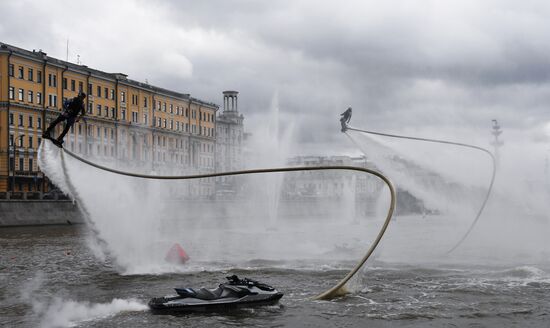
229 141
331 183
362 190
128 123
230 134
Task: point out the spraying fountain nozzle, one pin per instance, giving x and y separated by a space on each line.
344 120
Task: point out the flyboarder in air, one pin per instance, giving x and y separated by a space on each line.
344 120
71 108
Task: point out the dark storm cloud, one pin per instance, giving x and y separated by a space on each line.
458 59
398 63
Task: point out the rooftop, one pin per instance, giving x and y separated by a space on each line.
40 55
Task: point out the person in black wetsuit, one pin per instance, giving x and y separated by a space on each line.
69 114
344 120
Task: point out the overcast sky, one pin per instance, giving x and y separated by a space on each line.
402 65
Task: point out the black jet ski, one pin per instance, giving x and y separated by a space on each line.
236 292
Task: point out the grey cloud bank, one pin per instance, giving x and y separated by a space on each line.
400 64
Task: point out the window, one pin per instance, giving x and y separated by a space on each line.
10 70
90 107
21 72
30 122
90 89
98 110
21 94
98 91
80 86
171 124
21 142
11 140
39 122
64 83
187 112
145 119
11 118
30 74
164 107
171 109
106 111
52 80
159 122
39 98
31 168
112 94
73 85
79 130
177 126
21 165
52 100
122 96
165 123
145 102
39 76
106 94
123 114
30 97
12 93
113 112
30 145
159 106
134 117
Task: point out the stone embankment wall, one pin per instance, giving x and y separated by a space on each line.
38 212
43 212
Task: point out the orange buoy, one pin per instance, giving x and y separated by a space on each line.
176 255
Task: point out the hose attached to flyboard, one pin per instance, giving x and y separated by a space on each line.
471 227
338 289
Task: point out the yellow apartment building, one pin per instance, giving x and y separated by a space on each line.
128 124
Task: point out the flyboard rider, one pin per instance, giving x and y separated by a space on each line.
71 108
344 120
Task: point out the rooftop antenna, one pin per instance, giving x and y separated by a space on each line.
78 59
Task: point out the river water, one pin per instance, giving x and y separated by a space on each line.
50 278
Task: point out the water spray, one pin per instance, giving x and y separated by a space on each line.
337 290
345 119
82 207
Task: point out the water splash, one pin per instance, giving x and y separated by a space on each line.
54 312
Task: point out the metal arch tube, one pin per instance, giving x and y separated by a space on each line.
338 289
